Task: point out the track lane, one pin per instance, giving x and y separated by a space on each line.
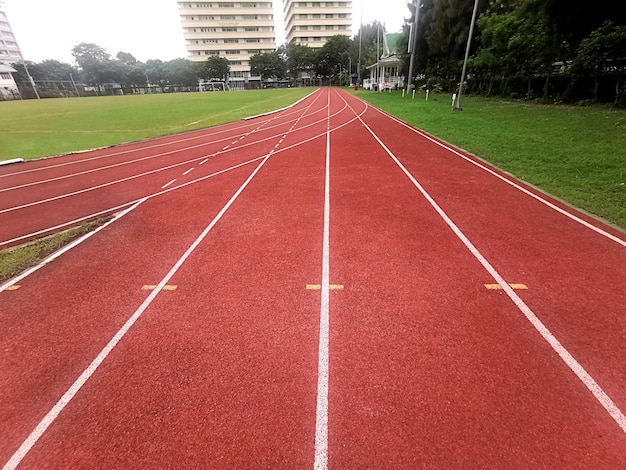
573 274
192 200
428 368
418 344
106 192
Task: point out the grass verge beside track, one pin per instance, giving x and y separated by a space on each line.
577 154
17 259
39 128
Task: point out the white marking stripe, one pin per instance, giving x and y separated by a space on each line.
66 248
167 184
34 436
512 183
321 415
572 363
188 171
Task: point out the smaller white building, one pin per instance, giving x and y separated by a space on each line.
8 87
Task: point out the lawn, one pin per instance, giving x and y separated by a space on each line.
577 154
38 128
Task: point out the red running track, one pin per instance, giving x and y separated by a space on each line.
320 302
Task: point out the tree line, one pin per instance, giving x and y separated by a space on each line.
555 50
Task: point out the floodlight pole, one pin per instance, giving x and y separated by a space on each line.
457 106
358 65
413 42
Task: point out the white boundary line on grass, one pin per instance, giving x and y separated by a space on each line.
606 402
506 180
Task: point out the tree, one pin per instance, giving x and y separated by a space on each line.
574 20
181 72
333 56
603 53
126 58
299 58
268 65
155 72
215 68
94 61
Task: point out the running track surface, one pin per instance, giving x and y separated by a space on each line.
320 287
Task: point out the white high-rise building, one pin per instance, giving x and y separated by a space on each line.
312 23
9 50
235 30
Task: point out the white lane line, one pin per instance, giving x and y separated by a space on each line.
92 188
226 148
51 416
321 415
183 185
66 248
113 209
204 161
167 184
506 180
226 129
188 171
563 353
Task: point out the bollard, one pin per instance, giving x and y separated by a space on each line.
453 99
413 94
427 93
403 93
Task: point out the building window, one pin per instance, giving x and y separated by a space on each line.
229 30
228 17
5 76
233 52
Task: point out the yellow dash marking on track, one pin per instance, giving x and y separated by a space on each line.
318 287
13 287
513 286
151 287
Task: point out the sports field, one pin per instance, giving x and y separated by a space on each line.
575 153
322 287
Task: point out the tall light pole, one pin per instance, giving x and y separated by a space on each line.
457 106
413 42
358 65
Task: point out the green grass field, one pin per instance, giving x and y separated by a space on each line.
577 154
32 129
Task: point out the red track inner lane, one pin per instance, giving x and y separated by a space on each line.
427 367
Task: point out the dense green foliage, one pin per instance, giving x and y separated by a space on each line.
525 48
574 153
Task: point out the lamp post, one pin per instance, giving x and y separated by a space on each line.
457 106
413 42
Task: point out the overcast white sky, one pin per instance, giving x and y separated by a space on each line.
148 29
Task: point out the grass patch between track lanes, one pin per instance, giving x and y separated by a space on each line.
38 128
577 154
17 259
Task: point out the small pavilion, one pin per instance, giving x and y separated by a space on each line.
385 73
